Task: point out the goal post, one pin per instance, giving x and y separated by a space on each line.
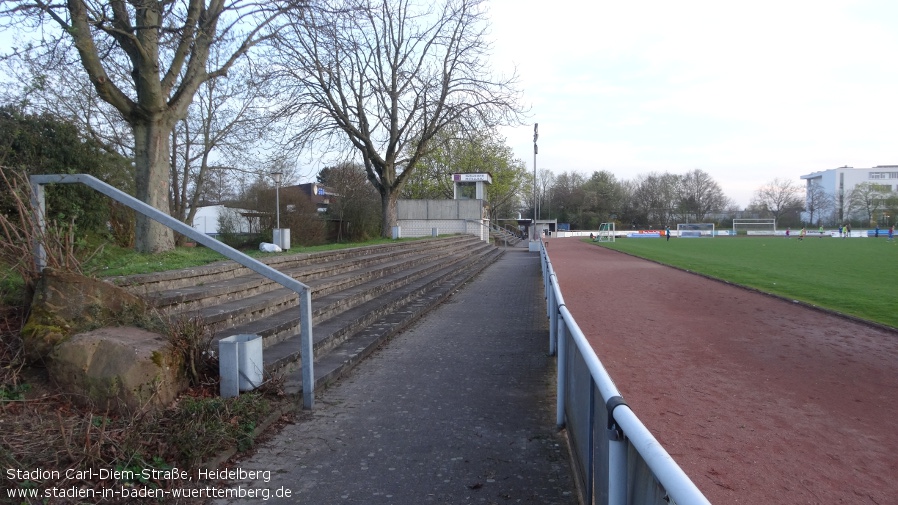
696 230
753 227
606 233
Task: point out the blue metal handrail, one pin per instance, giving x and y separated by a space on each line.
611 428
303 291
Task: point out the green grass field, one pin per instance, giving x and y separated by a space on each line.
857 276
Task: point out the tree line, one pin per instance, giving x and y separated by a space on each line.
656 200
649 201
48 144
200 100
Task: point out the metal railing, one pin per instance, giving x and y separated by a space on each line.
617 460
491 229
504 233
303 291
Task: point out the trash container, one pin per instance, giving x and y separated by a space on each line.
281 238
240 363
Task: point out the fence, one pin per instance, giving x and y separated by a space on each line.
303 291
617 461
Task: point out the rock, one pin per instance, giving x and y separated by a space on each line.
66 303
121 368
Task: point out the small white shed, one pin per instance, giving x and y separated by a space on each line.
207 218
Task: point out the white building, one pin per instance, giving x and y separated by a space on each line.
207 218
839 182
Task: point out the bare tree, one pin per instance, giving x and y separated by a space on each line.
817 202
355 203
568 196
225 120
778 197
218 187
384 77
700 195
628 212
147 59
545 179
657 197
603 199
869 198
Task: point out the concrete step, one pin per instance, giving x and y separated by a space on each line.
360 296
340 359
193 288
330 294
283 355
273 314
188 279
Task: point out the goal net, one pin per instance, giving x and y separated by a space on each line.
695 230
754 227
606 233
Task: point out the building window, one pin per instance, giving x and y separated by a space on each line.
883 175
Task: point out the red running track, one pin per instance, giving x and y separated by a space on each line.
759 400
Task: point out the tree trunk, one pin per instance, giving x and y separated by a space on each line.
388 198
151 151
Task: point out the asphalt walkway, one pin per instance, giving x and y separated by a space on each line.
457 409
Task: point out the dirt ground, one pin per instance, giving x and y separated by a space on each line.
759 400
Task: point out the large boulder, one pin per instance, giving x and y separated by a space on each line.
119 369
65 303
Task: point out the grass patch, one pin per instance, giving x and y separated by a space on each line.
116 261
854 276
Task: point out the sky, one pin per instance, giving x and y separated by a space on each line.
745 91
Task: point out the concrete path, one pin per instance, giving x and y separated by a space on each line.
458 409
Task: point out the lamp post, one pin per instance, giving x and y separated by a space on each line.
277 196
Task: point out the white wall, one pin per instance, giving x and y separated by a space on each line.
424 227
206 219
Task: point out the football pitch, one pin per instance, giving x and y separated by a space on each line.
856 276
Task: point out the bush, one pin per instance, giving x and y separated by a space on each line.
43 144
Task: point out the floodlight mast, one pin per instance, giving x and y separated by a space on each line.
535 151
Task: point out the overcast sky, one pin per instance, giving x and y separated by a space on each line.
745 91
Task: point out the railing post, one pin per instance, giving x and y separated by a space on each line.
553 317
590 483
39 203
617 455
307 351
561 365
